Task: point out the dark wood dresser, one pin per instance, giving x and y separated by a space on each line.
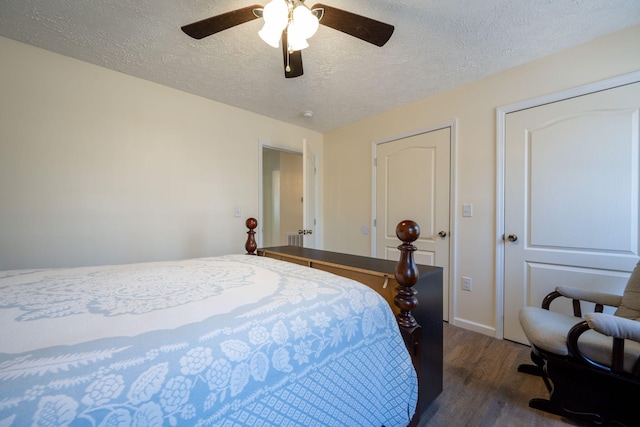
378 274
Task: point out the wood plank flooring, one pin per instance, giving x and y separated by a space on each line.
482 386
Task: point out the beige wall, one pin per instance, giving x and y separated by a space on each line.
348 152
99 167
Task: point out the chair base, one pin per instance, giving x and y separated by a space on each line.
553 408
531 370
585 394
536 369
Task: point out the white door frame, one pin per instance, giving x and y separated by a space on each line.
501 117
308 153
453 125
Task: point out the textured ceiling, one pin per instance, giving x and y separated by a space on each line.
437 44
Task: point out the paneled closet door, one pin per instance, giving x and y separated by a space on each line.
413 182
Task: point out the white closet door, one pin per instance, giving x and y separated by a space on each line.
571 198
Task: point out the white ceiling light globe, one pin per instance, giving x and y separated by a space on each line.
276 14
306 22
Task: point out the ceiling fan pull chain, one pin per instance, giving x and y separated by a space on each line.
288 68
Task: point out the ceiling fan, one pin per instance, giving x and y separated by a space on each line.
290 23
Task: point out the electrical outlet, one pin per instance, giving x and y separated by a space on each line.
466 283
237 212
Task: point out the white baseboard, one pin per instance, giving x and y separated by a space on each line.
475 327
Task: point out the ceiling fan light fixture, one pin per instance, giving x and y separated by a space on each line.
299 21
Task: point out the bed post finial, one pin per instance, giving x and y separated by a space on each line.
251 244
407 273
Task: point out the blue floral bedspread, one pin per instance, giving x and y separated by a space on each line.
226 341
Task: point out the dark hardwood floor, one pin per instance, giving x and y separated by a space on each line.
482 386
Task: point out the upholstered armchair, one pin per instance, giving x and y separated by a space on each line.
590 364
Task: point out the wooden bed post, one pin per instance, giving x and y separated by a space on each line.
407 275
251 244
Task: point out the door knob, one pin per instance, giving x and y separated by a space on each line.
442 233
512 237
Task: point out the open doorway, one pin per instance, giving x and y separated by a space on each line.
282 197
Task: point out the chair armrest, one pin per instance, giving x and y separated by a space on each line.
602 298
576 295
614 326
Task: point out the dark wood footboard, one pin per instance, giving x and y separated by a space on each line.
414 293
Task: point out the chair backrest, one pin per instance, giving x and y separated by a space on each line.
630 306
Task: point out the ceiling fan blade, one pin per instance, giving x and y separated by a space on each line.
367 29
215 24
292 60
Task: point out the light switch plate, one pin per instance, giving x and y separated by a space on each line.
467 210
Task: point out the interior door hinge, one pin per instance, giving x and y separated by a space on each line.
375 162
375 222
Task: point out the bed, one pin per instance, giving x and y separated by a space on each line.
235 340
